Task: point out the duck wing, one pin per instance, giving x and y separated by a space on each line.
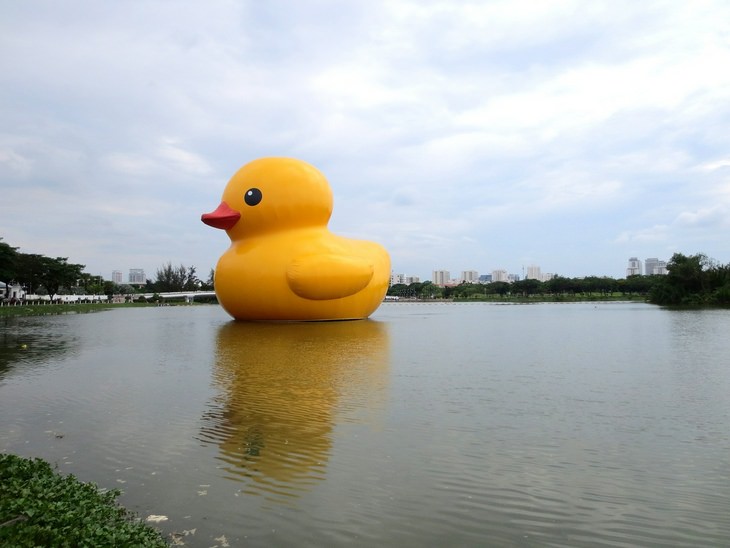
328 276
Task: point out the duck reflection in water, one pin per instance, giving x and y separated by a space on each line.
282 388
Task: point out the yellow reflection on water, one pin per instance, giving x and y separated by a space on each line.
283 387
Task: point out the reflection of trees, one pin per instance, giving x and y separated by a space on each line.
280 386
29 341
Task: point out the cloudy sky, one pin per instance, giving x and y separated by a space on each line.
462 135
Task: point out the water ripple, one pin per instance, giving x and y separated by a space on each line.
280 391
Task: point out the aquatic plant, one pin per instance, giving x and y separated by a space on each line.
39 507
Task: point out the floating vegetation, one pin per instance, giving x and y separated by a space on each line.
39 507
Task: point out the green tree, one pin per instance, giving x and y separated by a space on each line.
176 278
721 295
91 284
637 284
8 259
29 271
429 290
687 271
558 285
500 288
57 273
192 283
474 290
461 291
687 281
209 284
527 287
417 288
397 290
601 285
110 288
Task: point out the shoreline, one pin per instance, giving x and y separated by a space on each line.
9 311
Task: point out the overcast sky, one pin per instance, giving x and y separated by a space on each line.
462 135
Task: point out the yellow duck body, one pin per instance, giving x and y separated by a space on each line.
283 263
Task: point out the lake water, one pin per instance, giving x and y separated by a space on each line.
431 424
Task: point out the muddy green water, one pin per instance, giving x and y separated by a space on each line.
427 425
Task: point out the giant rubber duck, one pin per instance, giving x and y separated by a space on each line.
284 263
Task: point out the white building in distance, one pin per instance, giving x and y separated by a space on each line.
396 279
533 273
136 276
403 279
654 266
441 277
469 276
117 277
634 268
500 276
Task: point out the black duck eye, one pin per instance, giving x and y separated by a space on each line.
253 196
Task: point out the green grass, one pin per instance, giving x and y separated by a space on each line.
51 309
39 507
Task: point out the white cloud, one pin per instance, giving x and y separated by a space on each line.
657 233
14 164
714 165
129 164
183 160
716 216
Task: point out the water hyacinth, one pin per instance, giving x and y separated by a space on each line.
39 507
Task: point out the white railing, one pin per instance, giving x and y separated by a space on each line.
78 299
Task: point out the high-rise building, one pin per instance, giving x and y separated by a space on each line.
500 276
634 267
441 277
136 276
470 276
117 276
403 279
533 273
649 265
654 266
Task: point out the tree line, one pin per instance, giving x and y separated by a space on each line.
691 280
558 286
34 271
38 274
171 278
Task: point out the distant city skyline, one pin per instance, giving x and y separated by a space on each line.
650 266
135 276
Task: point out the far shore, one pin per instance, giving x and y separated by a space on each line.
83 308
74 308
532 299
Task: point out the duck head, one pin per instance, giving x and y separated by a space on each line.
272 194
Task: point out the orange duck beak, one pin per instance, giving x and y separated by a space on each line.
223 217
